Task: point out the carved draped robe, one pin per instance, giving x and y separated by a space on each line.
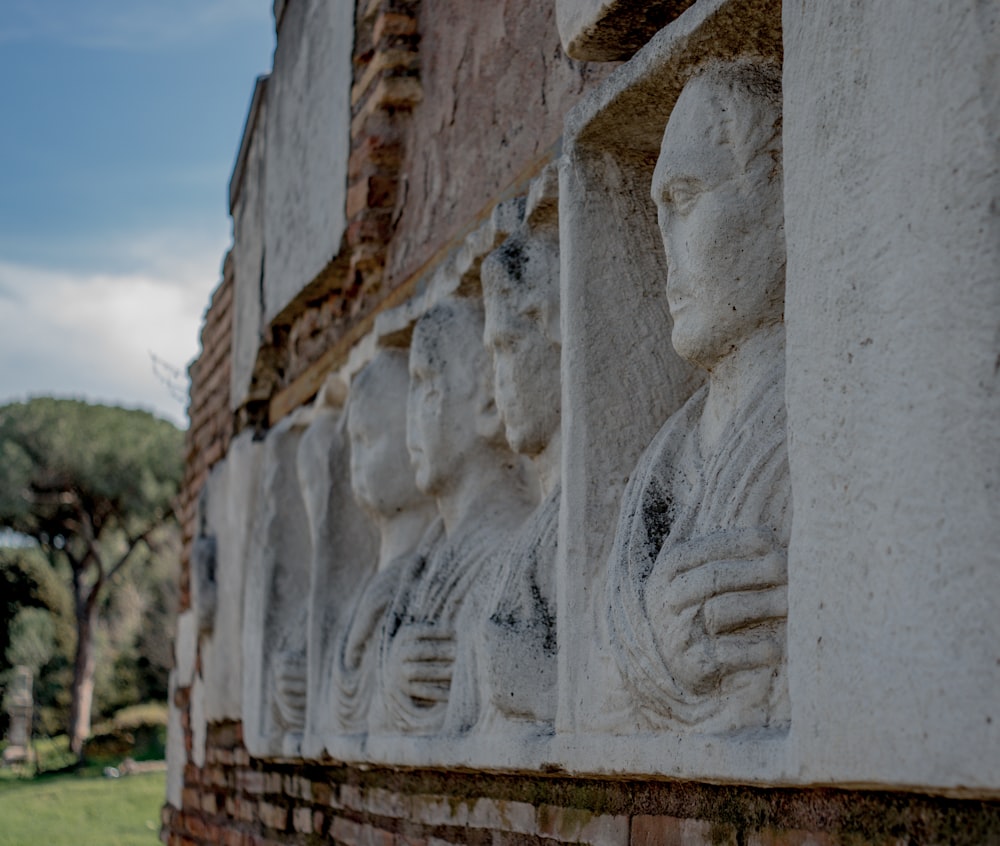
355 689
676 495
448 587
518 640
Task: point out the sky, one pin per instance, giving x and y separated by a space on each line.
119 125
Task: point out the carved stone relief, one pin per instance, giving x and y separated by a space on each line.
229 506
696 591
383 483
344 546
518 642
454 436
543 515
277 600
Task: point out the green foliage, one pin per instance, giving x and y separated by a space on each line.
59 458
94 487
28 582
32 638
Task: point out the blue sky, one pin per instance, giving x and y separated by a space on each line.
119 122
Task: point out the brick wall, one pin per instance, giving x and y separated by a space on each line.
444 125
238 801
210 421
421 106
385 88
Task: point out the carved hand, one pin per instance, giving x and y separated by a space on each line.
421 657
720 602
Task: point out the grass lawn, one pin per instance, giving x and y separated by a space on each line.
81 810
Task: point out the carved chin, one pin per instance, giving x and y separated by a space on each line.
525 439
698 347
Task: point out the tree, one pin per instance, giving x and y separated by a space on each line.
91 484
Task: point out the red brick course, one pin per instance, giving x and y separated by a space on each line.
234 799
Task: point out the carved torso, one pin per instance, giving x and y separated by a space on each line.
677 495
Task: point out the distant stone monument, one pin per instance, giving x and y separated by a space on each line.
20 705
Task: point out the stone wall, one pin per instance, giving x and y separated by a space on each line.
211 424
238 801
503 521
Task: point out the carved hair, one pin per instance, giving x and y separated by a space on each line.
748 95
503 275
389 362
451 331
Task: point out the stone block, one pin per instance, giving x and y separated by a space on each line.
176 750
575 825
302 788
610 30
784 837
199 723
253 782
185 648
209 803
307 147
302 820
674 831
319 822
273 816
247 210
234 838
892 309
386 803
323 794
230 496
439 810
246 810
347 832
502 815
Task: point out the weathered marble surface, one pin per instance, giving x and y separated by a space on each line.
553 513
277 599
428 667
247 204
892 184
343 544
696 592
518 642
307 146
230 503
383 483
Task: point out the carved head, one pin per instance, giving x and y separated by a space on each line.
521 295
450 410
381 475
718 193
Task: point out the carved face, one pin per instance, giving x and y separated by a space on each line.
520 292
719 207
445 395
381 475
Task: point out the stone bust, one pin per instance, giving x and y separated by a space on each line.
454 437
383 484
697 598
521 295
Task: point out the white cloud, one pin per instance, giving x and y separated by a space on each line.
125 24
92 335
